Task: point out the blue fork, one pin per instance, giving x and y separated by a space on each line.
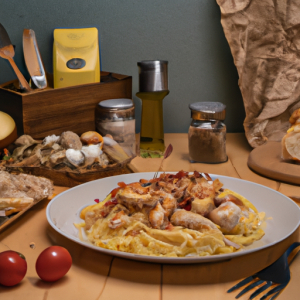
276 273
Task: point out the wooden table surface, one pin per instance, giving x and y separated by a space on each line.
97 276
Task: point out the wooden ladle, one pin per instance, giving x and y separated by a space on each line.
7 51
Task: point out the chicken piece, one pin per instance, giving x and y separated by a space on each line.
200 188
119 220
135 197
138 188
192 220
157 216
228 198
183 182
227 215
179 194
166 186
169 204
203 206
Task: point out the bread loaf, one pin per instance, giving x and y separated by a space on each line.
8 132
291 141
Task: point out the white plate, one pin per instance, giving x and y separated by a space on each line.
283 215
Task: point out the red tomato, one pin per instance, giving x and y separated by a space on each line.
53 263
13 267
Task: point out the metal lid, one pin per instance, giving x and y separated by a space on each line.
122 103
208 111
153 75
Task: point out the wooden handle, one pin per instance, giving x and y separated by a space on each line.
20 76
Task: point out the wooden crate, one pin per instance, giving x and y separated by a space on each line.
52 111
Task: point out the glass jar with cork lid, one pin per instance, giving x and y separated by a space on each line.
207 133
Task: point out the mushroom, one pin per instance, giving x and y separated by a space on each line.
70 140
75 157
91 138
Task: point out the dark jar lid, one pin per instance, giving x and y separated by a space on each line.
208 111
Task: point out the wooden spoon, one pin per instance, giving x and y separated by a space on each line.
7 51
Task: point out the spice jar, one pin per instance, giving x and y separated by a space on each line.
207 133
116 117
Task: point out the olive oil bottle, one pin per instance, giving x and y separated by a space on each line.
153 88
152 127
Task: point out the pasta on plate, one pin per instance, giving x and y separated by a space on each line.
175 215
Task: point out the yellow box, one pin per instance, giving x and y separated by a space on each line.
75 57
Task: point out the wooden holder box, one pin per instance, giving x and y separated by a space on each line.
52 111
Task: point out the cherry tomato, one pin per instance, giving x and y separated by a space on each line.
53 263
13 267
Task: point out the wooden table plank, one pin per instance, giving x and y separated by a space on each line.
133 280
238 151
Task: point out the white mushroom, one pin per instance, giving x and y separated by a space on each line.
75 157
51 139
92 151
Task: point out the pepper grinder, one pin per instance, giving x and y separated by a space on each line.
153 88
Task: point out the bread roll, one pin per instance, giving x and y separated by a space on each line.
290 143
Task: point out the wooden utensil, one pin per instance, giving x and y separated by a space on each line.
7 51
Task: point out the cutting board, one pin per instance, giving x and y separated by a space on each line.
266 160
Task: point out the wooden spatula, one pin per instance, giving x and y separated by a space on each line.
7 51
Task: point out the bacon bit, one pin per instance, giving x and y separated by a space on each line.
114 192
197 174
144 181
208 178
122 184
104 214
97 200
118 215
181 174
169 227
188 207
155 180
111 202
6 152
185 201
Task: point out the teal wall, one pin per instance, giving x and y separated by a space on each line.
187 33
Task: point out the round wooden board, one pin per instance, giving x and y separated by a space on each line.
266 160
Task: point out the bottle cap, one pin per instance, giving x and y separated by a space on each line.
153 75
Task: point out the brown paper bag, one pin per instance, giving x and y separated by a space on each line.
264 37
